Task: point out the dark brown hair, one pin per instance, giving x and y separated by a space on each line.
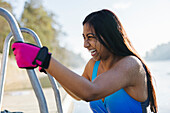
107 25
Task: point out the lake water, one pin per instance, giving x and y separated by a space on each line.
161 75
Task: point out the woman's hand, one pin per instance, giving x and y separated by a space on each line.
30 56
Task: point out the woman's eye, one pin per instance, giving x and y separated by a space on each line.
91 37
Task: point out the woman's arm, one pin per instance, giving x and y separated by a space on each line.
71 94
86 74
70 80
119 76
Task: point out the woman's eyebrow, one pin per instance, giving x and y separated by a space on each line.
90 34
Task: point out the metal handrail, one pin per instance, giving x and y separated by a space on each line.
4 61
4 66
34 80
52 80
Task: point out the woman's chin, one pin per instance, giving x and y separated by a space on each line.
96 58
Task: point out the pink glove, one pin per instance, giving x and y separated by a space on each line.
30 56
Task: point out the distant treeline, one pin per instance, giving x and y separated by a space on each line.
35 17
161 52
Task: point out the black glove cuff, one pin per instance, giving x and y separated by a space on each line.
43 70
43 58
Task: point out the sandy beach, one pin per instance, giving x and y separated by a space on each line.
26 101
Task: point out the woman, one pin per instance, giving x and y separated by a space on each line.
115 80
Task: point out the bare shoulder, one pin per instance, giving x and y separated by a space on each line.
131 66
89 69
131 62
91 62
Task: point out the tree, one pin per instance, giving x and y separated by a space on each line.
160 52
4 27
42 22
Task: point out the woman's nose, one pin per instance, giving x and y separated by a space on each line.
86 43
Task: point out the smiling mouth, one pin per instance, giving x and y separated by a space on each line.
93 52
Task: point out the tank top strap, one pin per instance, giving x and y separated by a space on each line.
95 69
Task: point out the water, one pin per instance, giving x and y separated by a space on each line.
161 72
161 76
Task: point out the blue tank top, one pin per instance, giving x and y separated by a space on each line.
118 102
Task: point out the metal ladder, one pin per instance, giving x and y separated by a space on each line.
16 32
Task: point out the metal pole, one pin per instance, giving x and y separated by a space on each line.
52 80
3 66
13 24
33 77
18 37
56 93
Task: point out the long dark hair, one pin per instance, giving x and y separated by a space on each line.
107 25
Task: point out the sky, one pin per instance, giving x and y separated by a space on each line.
146 22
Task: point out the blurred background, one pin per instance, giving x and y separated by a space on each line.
58 23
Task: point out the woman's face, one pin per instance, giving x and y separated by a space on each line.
97 50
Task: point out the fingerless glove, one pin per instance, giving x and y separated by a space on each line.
30 56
